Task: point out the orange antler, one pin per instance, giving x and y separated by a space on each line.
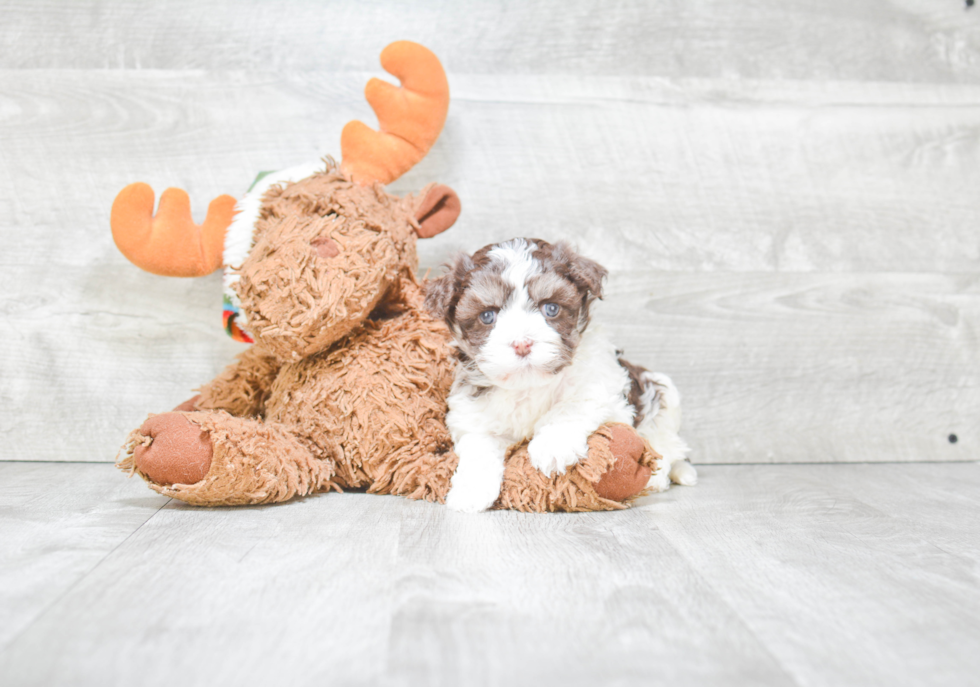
169 244
410 116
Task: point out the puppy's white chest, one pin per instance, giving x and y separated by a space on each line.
510 414
515 413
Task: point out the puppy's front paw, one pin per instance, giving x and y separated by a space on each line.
476 483
555 447
470 495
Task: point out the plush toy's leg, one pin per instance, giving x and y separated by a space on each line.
616 471
242 387
213 458
421 469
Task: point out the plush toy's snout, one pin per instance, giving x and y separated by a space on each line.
325 248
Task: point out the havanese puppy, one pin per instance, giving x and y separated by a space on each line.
530 367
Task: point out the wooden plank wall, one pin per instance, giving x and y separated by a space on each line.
787 194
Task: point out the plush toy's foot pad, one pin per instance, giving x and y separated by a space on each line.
627 477
179 451
190 405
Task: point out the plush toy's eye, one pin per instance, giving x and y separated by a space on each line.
550 309
488 316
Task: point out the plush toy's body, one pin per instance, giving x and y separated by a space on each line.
352 396
346 384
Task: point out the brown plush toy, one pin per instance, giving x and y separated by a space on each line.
345 386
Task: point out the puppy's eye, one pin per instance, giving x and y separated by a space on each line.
550 309
488 316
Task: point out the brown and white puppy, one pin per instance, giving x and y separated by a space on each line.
531 367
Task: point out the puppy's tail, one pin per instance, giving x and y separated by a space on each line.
660 404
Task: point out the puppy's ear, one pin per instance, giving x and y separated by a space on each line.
590 273
441 292
587 274
438 295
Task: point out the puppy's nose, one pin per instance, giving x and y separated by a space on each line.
522 348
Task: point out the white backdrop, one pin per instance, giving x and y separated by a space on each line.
787 194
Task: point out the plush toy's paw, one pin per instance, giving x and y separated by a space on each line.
179 452
627 477
555 447
188 406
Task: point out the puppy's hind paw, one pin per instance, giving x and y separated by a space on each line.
683 473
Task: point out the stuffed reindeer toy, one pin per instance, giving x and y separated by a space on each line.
345 385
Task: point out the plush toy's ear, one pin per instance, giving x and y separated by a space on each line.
438 211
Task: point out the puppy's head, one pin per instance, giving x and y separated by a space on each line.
517 309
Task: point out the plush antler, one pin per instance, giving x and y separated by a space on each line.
410 116
169 244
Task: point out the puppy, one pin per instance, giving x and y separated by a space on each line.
530 367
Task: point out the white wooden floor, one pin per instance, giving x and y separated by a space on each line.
764 574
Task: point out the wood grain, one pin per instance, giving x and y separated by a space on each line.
690 176
770 575
475 605
839 590
893 40
773 367
56 526
785 192
92 350
785 195
810 367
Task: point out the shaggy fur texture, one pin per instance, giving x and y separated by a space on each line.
588 485
346 384
531 368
